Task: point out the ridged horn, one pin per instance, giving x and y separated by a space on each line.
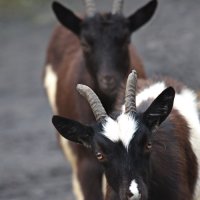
117 6
130 94
93 100
90 7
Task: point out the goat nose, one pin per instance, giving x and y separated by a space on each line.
108 80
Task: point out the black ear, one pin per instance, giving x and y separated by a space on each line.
67 18
73 130
142 16
160 108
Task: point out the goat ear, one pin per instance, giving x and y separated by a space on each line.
73 130
159 109
67 18
142 16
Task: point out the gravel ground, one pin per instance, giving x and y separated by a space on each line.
32 165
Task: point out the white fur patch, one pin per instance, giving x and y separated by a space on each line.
50 84
186 104
151 92
122 129
134 190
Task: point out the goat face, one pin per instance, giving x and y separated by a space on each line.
123 146
105 42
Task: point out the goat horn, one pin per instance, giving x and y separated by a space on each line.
90 7
130 104
93 100
117 6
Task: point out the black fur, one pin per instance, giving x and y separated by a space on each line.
67 17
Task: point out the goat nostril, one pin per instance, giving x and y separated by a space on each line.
108 80
129 194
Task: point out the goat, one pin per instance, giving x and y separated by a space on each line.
148 153
95 51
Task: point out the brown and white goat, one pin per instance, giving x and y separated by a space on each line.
150 151
95 51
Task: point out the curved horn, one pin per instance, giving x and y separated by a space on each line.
90 7
130 104
93 100
117 6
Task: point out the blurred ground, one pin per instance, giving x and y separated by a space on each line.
32 165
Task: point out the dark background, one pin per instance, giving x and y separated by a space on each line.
32 166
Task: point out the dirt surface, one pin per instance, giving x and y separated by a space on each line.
32 165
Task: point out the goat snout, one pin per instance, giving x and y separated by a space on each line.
107 83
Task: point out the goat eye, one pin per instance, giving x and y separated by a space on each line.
149 145
99 156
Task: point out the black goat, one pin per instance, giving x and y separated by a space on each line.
151 152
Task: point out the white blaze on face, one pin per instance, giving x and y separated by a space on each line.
122 129
134 190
